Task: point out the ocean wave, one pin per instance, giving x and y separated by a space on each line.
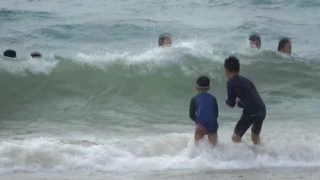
163 152
164 69
10 14
185 59
27 66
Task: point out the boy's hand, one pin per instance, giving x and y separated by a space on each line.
240 104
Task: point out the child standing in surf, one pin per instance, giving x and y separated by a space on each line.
254 109
204 112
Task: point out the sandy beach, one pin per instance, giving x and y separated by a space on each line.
257 174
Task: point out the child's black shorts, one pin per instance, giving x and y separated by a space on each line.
256 120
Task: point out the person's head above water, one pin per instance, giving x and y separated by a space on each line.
164 40
285 46
203 84
231 66
10 53
255 40
35 55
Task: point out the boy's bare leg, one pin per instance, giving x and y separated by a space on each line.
255 138
236 138
213 138
198 137
199 133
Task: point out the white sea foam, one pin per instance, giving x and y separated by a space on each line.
22 66
174 151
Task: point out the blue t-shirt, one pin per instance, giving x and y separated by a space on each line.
204 110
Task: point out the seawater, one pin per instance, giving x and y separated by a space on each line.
105 98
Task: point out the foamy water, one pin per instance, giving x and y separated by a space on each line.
165 152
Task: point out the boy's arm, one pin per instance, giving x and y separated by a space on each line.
216 109
231 100
192 110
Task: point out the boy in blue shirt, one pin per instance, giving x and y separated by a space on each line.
204 112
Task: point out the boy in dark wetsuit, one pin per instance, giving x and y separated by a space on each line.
204 112
254 109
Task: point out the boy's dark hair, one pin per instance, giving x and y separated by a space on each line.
35 54
203 82
162 37
232 64
282 43
10 53
254 37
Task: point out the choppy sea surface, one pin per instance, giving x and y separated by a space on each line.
105 98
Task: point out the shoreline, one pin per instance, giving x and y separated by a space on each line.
310 173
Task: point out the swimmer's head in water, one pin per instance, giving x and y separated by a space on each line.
203 83
10 53
165 40
255 40
285 46
35 55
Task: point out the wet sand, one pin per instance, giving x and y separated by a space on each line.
252 174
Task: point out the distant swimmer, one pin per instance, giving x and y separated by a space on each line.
204 112
255 40
285 46
35 55
165 40
10 53
254 109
